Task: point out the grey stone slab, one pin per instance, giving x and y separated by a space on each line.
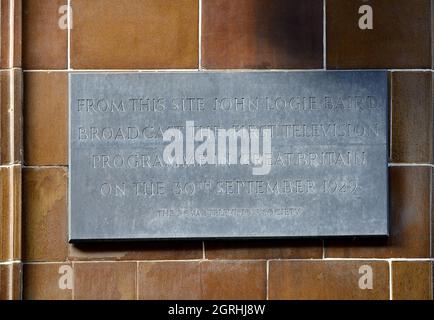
328 175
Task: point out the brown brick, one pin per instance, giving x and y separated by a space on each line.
432 33
412 114
169 281
209 280
10 50
262 34
42 281
105 281
134 34
10 281
136 251
46 118
45 43
10 213
264 249
400 38
10 116
412 280
226 280
326 280
45 214
409 221
432 215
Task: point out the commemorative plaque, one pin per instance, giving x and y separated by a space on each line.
195 155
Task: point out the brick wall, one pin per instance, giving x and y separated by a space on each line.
207 34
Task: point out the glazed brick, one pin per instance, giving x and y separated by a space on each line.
10 281
105 281
44 281
10 213
46 118
409 221
135 34
262 34
209 280
45 214
10 50
45 40
10 116
264 249
412 280
412 117
179 250
400 38
331 280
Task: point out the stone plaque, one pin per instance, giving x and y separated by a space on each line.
184 155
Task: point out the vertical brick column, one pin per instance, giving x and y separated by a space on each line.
10 149
401 41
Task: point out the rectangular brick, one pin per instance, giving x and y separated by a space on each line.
10 213
10 37
409 221
169 281
328 280
230 280
47 281
45 40
400 38
11 116
46 118
264 249
432 33
135 34
209 280
412 117
262 34
45 218
105 281
412 280
10 281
